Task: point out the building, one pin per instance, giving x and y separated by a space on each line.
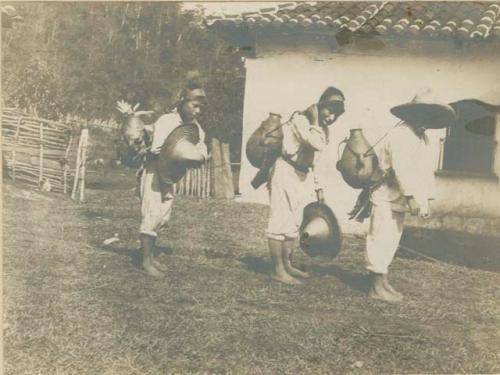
380 54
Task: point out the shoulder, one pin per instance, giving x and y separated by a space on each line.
168 119
402 131
300 120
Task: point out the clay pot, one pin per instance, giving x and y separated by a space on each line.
358 162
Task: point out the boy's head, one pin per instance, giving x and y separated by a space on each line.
330 106
192 103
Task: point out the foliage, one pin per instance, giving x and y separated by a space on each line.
80 58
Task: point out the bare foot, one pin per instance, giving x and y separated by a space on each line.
151 270
388 287
378 290
297 273
391 290
286 279
160 266
384 295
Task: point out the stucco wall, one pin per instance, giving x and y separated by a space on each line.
286 81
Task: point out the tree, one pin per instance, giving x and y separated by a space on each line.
80 58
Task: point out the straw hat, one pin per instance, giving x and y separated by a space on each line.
424 110
320 232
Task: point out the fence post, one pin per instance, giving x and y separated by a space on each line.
85 134
77 167
16 141
40 177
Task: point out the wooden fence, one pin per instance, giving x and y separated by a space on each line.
196 182
199 182
38 151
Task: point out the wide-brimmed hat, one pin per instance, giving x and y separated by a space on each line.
425 111
320 233
178 153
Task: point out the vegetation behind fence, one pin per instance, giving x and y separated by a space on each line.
38 151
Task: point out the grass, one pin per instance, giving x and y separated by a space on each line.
74 306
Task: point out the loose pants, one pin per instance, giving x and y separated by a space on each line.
155 211
384 233
289 192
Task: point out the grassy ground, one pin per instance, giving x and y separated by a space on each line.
74 306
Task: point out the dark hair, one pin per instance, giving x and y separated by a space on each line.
329 92
338 106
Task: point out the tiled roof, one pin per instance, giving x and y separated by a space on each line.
469 19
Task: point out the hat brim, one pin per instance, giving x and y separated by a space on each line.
329 248
428 115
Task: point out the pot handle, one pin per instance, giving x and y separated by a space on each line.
338 148
320 195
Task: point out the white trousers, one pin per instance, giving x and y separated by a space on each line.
289 192
155 211
384 234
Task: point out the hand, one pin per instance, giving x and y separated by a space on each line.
414 207
316 181
203 150
320 195
425 211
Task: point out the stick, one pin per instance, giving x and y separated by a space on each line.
77 168
419 254
202 180
14 151
41 153
393 335
66 166
188 182
198 182
85 133
209 179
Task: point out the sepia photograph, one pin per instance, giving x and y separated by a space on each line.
250 187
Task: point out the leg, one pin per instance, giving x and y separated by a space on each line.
158 265
147 244
378 290
287 255
277 255
155 215
382 242
389 288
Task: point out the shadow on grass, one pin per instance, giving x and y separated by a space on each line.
135 254
256 264
354 280
452 247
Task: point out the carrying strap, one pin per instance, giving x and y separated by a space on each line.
294 164
281 125
358 155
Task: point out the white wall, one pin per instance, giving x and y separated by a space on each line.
372 85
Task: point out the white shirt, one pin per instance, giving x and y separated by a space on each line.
301 141
300 133
409 156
